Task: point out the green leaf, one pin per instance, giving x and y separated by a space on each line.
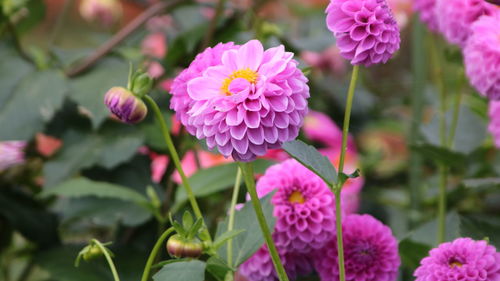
480 228
88 90
113 146
440 155
481 183
217 268
12 70
219 241
248 242
427 233
33 103
214 179
195 228
412 253
35 14
312 159
80 187
193 270
187 220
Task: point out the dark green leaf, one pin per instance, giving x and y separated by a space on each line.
32 104
412 253
35 14
480 228
113 146
12 70
80 187
193 270
311 158
440 155
427 233
88 90
248 242
217 267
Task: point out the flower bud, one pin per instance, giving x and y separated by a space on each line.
125 105
104 12
180 248
142 84
91 252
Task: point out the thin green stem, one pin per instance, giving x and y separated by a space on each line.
175 158
456 108
347 116
443 175
230 224
154 252
247 170
337 189
108 258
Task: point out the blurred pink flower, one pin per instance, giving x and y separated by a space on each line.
154 45
206 160
402 10
11 154
427 11
104 12
47 145
320 128
155 69
327 60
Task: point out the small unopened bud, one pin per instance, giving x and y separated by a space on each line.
91 252
104 12
125 105
142 84
181 248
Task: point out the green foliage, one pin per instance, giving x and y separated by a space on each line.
248 242
193 270
311 158
440 155
33 103
480 228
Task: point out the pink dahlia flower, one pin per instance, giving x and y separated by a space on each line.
455 17
260 267
427 10
462 259
494 125
370 250
11 154
241 99
482 56
366 31
303 206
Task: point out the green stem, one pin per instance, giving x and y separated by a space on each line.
347 116
108 258
337 189
154 252
230 225
175 158
247 170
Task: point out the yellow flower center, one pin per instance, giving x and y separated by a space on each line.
245 73
455 263
296 197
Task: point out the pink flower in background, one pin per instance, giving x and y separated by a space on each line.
155 69
47 145
366 31
104 12
159 163
455 18
370 251
248 102
303 206
206 160
427 10
494 125
11 154
154 45
320 128
462 259
327 60
259 267
402 10
482 56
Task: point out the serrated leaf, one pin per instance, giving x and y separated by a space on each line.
312 159
88 90
214 179
248 242
81 187
33 103
440 155
480 228
219 241
193 270
108 148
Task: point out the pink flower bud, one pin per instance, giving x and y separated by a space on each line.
104 12
127 107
